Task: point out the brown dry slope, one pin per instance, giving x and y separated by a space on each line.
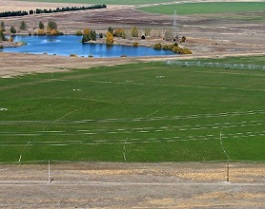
207 35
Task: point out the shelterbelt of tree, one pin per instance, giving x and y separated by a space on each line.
39 11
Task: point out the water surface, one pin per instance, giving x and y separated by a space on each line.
70 44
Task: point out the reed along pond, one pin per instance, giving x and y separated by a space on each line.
71 44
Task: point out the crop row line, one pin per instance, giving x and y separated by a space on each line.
178 117
133 130
239 135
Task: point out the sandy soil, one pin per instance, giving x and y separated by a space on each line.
132 185
128 185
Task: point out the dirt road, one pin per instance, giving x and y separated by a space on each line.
122 185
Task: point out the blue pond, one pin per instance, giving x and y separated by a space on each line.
70 44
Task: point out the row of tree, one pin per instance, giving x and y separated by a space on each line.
40 11
51 28
13 13
91 35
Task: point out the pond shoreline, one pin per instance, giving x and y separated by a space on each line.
69 44
148 42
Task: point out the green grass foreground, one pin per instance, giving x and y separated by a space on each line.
145 112
107 2
206 8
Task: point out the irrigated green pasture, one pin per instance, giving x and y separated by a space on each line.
107 2
145 112
206 7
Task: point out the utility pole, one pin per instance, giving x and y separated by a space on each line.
227 179
49 172
175 26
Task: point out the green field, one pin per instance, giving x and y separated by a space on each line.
145 112
206 7
107 2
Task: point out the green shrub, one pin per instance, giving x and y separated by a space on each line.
158 46
79 33
134 32
135 44
176 49
186 51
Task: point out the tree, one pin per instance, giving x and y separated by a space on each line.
41 25
110 29
86 31
41 32
134 32
169 36
93 35
183 39
51 26
23 26
158 46
2 36
2 26
89 35
13 29
119 33
109 39
54 32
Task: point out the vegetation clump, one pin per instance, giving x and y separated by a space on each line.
109 39
78 33
89 35
119 33
13 30
134 32
135 44
2 26
173 47
23 26
2 36
158 46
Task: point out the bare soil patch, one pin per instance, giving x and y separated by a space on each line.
123 185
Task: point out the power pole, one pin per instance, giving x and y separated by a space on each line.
175 25
227 173
49 172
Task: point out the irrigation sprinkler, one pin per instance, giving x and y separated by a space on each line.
20 158
227 171
124 150
228 166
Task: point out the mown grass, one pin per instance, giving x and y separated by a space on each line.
206 8
107 2
145 112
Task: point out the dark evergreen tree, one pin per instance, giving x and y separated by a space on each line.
2 26
23 26
41 25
